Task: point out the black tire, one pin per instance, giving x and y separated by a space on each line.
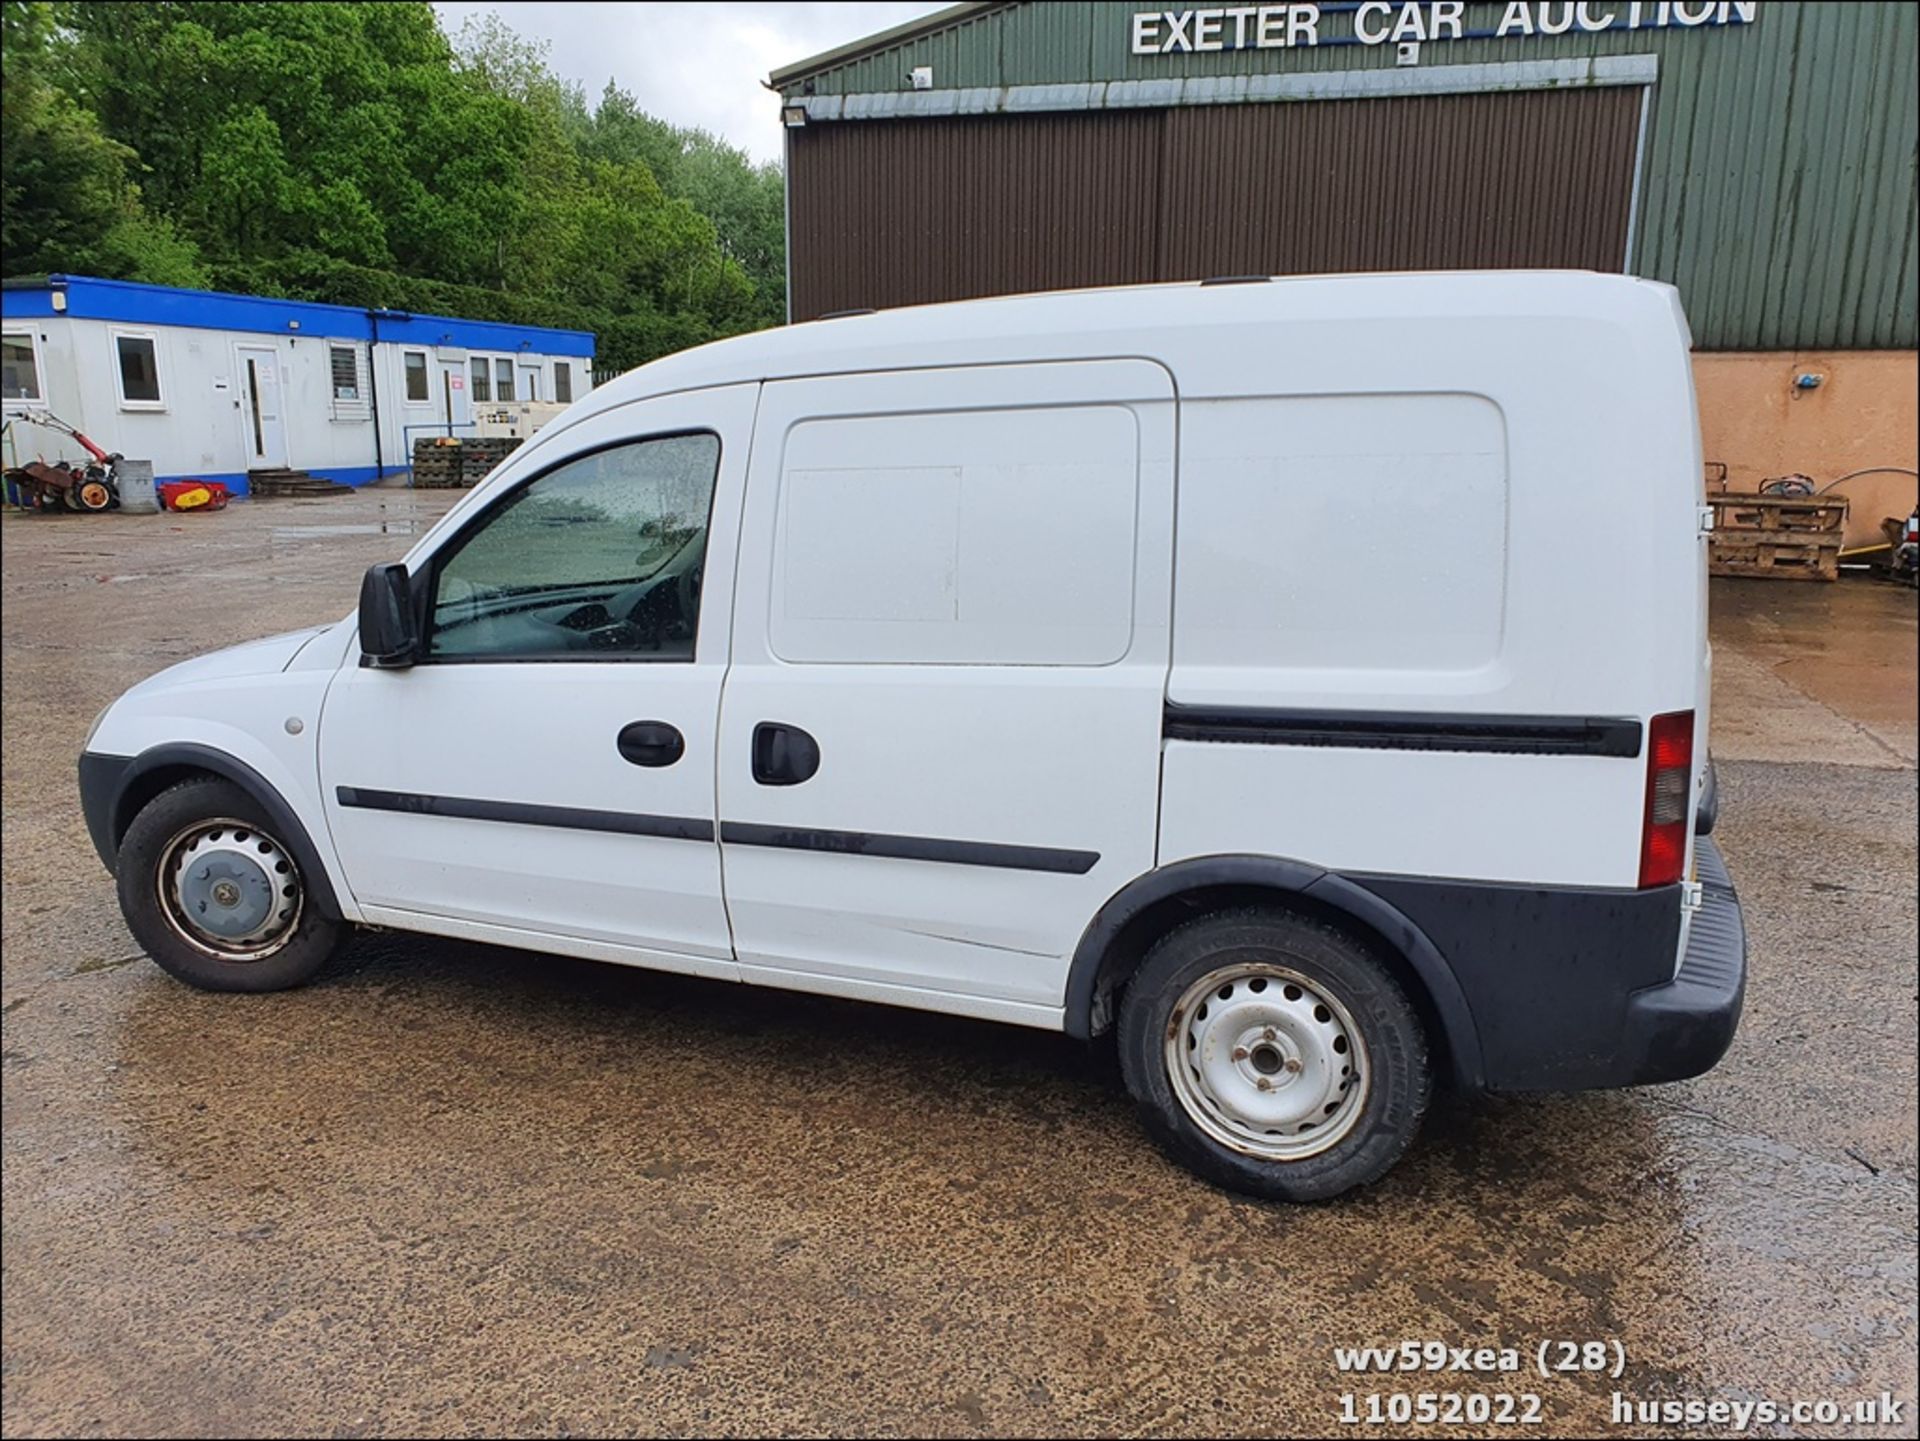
1397 1075
92 494
293 957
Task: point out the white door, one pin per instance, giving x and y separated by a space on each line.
940 738
452 400
261 420
545 774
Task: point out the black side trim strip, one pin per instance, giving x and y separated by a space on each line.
630 823
1405 730
912 848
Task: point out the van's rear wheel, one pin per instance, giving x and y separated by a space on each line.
215 896
1273 1054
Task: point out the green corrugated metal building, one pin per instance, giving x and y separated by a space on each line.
1760 156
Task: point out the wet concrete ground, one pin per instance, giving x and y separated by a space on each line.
453 1190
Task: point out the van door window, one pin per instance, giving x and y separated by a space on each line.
601 557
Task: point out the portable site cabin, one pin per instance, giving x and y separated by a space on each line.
213 386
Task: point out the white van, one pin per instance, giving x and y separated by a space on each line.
1305 680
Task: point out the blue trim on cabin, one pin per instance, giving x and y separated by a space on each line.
130 302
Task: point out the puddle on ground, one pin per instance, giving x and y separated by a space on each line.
384 527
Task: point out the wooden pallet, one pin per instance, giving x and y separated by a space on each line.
436 465
1735 512
1775 557
440 463
1777 537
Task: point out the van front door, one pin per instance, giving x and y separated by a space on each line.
940 738
259 404
544 774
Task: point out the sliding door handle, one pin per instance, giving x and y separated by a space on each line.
783 755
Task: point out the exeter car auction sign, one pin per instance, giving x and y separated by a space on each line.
1271 27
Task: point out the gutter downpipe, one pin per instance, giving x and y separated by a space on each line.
786 199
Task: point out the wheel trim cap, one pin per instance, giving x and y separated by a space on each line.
230 890
227 895
1226 1038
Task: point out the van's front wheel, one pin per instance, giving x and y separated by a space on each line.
214 896
1273 1054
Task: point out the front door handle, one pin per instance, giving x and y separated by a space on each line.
650 743
783 755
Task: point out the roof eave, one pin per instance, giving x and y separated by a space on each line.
880 40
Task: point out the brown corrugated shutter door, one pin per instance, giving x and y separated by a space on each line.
903 212
1441 182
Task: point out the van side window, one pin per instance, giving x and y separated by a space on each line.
983 537
599 558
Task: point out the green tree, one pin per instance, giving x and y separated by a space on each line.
745 202
67 202
355 153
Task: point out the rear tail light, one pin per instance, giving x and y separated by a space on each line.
1663 834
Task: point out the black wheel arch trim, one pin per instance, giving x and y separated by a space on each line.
1310 882
107 785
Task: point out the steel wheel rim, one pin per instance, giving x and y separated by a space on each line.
1267 1062
230 890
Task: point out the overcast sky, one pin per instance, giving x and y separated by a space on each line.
691 64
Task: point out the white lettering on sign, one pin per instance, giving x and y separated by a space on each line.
1400 22
1517 21
1237 27
1556 24
1364 18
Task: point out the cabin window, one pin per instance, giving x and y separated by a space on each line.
563 382
482 383
346 372
138 370
19 368
503 376
415 363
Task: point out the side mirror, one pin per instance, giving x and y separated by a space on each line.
389 636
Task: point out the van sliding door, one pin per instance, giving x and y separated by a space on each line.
940 731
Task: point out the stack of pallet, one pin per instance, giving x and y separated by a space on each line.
1777 537
480 454
457 462
436 463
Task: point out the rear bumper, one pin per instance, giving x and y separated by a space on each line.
1575 989
1684 1027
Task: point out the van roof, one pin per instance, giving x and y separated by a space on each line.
1159 321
